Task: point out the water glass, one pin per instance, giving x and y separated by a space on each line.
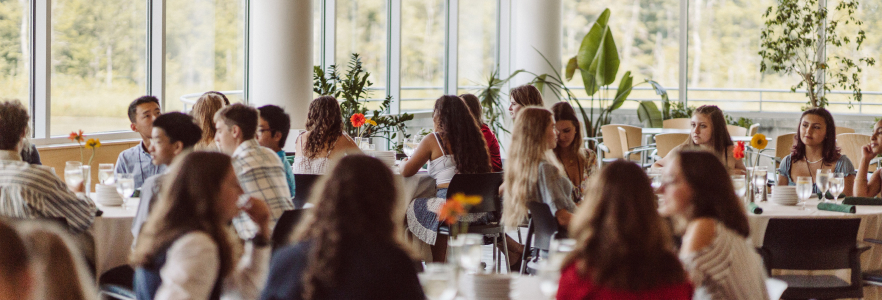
105 173
87 177
470 251
655 177
125 186
760 178
549 277
803 189
438 281
740 184
558 251
73 175
837 185
822 180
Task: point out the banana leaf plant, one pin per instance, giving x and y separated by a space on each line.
489 94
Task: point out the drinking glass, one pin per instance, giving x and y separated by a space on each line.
655 177
438 281
87 178
822 180
125 186
549 277
760 178
558 251
837 185
73 173
470 252
803 189
105 172
740 184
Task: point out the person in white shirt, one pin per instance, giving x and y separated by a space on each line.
186 251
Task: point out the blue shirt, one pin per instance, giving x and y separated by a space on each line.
843 165
288 173
138 162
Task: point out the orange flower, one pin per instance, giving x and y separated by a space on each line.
738 152
450 212
467 200
357 120
76 136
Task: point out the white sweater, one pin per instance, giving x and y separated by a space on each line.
729 268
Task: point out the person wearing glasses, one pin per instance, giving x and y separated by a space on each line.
272 132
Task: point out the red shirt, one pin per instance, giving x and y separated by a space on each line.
493 146
573 286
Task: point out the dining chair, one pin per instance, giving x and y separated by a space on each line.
485 185
666 142
814 244
850 145
754 128
611 148
541 230
736 130
841 130
633 149
116 283
303 184
285 226
677 123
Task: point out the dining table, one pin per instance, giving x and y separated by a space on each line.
113 236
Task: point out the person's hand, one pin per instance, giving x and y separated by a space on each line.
867 152
258 211
80 188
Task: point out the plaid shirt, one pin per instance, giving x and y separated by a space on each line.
261 175
33 191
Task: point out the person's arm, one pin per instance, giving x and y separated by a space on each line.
563 218
556 191
249 275
847 189
862 188
345 144
421 155
845 167
661 163
784 171
60 202
699 234
191 268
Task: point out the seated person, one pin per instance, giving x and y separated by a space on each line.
492 144
136 160
323 139
17 278
814 149
862 188
203 112
579 163
62 270
272 132
709 133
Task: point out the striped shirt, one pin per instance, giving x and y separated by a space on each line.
728 268
33 191
261 175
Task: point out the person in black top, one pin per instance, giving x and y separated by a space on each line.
347 246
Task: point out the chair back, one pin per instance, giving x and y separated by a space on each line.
677 123
303 184
633 134
285 226
810 244
666 142
544 224
736 130
485 185
783 143
753 129
841 130
850 145
611 140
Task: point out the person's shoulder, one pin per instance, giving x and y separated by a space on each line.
700 233
194 241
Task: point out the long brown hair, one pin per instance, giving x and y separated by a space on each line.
563 111
60 264
204 110
720 139
324 123
622 241
527 95
462 135
831 152
713 195
187 203
356 202
474 106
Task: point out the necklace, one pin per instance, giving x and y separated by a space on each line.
813 162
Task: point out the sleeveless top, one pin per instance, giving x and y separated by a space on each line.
305 165
442 168
147 279
728 268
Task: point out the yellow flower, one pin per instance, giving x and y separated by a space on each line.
759 141
369 121
93 143
467 200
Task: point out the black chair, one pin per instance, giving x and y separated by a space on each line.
542 229
487 186
117 284
285 226
303 184
814 244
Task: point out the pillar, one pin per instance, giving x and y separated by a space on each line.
537 24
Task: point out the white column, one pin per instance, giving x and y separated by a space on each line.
280 59
536 25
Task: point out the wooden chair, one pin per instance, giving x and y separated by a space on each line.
633 151
753 129
783 143
850 145
666 142
677 123
841 130
736 130
611 148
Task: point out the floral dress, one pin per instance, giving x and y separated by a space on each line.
587 170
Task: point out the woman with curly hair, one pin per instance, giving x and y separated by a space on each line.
814 148
578 161
456 146
523 96
709 133
203 111
323 139
347 240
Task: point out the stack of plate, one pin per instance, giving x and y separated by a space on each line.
489 287
783 195
105 194
387 157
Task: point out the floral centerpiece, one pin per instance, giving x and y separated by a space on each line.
80 139
454 209
358 121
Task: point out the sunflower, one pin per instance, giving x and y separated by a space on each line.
759 141
467 200
93 143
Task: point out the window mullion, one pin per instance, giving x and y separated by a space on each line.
451 46
393 54
40 81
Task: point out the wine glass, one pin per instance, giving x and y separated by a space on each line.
73 173
125 186
438 281
803 189
549 277
105 172
822 180
837 185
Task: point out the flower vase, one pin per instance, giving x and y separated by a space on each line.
749 197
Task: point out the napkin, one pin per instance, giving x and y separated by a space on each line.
755 209
862 201
837 207
830 196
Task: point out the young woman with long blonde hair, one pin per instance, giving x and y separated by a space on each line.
203 111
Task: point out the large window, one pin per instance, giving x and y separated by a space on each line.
871 77
476 44
422 53
14 50
98 63
361 28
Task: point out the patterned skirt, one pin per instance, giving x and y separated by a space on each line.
422 217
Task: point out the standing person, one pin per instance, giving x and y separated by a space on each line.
862 188
203 111
186 251
814 148
579 162
716 249
623 248
347 240
62 271
323 139
17 279
523 96
492 144
272 132
709 133
174 135
456 146
259 170
136 160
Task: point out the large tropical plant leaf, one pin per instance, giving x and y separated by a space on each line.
649 114
571 68
588 51
606 62
625 87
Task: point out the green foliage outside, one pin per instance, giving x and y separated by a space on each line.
493 107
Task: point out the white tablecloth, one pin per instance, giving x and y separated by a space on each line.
113 237
871 221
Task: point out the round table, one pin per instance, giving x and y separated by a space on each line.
113 236
871 228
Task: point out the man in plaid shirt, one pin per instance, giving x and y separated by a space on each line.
259 170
